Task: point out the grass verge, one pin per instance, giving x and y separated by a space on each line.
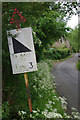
78 65
45 101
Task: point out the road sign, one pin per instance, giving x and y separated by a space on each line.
15 13
17 18
22 51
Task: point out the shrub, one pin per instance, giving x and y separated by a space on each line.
57 54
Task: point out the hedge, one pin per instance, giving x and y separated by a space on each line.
57 54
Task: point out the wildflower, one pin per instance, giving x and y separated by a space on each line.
53 103
75 113
47 105
23 112
34 111
63 102
55 110
50 102
19 112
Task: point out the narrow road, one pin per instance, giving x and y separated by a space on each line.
66 76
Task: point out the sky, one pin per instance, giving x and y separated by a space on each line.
73 22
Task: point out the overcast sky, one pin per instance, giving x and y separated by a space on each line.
73 22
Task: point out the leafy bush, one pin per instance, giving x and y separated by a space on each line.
57 54
61 46
74 39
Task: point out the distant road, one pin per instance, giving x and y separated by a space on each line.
66 76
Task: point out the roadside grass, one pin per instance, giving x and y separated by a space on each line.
57 54
45 101
78 65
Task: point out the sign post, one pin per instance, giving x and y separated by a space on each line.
28 92
22 52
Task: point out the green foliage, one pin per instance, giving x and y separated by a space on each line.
48 26
45 102
43 95
78 65
49 29
74 39
38 47
6 110
57 54
65 8
61 46
78 37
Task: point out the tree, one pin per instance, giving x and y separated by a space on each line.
73 39
46 19
67 9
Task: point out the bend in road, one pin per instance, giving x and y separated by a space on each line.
66 76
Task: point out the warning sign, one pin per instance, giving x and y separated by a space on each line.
21 49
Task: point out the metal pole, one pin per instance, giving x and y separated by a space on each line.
28 92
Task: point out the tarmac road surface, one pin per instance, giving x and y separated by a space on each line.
67 78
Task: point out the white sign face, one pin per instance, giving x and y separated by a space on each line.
21 49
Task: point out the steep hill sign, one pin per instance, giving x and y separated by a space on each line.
22 53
